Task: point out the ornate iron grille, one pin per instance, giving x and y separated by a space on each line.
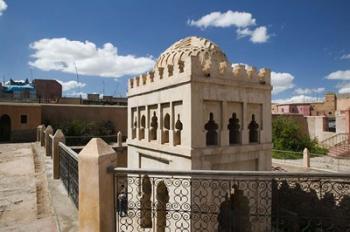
223 201
69 172
49 151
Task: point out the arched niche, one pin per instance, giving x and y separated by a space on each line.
142 127
211 127
178 129
154 127
234 130
253 130
134 128
166 128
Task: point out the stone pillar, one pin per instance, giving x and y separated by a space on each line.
245 122
119 138
173 118
306 158
96 200
160 124
48 132
58 137
42 135
224 133
38 133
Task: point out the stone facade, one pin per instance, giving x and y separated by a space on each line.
195 111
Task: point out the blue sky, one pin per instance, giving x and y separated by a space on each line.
305 43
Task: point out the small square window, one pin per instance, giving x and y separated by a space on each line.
24 119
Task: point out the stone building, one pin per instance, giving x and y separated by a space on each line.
47 90
195 110
326 108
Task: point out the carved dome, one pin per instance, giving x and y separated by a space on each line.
204 49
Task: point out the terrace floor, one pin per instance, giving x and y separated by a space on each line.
30 200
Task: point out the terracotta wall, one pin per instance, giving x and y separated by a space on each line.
22 131
55 113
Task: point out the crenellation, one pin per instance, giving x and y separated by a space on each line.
251 73
265 75
144 79
198 62
137 80
239 71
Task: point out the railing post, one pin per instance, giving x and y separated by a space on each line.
58 137
119 138
48 132
38 133
96 199
42 135
306 158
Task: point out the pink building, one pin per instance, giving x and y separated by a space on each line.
294 108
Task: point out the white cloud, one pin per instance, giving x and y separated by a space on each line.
76 94
3 6
309 90
259 35
69 85
61 54
339 75
345 89
298 99
345 56
281 82
226 19
241 20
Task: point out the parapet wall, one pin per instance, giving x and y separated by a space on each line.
193 69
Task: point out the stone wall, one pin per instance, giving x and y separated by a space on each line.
55 113
37 114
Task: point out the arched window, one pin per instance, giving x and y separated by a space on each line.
233 127
211 126
178 129
253 130
166 123
154 127
162 200
142 127
146 204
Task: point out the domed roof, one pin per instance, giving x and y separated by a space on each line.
202 48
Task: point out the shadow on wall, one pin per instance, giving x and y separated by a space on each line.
296 209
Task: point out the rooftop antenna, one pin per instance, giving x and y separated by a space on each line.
103 89
76 72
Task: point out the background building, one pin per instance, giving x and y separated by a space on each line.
47 90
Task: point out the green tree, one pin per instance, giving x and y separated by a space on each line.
287 135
